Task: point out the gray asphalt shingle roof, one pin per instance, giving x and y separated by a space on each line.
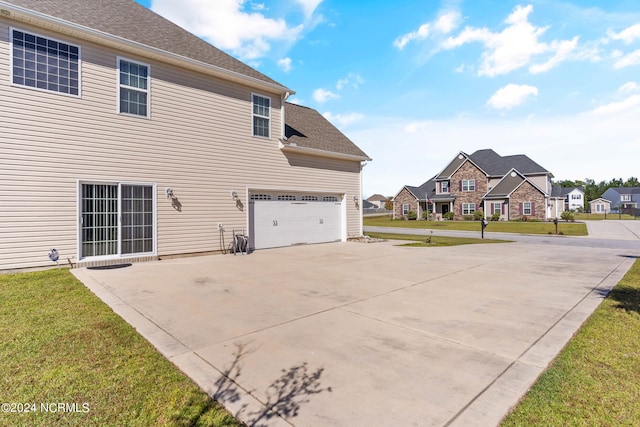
506 186
305 127
495 165
132 21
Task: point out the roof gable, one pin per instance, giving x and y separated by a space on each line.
131 21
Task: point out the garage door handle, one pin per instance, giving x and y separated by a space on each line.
275 222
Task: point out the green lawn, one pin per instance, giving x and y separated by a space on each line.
428 241
61 344
599 217
595 381
522 227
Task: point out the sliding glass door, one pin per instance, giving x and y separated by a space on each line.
116 219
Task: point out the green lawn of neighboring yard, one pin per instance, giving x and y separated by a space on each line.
523 227
427 241
595 381
60 344
598 217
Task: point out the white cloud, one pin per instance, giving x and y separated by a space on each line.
629 104
514 47
629 87
309 6
285 64
628 35
343 120
353 80
511 96
627 60
444 24
225 24
322 95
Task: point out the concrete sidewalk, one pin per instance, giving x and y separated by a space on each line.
352 334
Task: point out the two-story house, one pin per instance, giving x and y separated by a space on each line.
125 137
569 198
513 187
622 198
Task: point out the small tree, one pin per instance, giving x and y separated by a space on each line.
568 216
478 215
388 205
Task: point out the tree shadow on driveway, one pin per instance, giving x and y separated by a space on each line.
284 396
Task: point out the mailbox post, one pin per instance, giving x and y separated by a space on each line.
483 225
555 221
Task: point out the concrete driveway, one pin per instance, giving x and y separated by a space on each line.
354 334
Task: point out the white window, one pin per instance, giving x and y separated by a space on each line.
261 116
133 88
405 209
468 185
497 207
287 197
599 207
116 219
310 198
329 199
468 208
445 186
526 208
625 197
576 197
44 63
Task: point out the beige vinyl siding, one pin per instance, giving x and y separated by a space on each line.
198 141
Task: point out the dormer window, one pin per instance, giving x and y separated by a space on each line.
444 187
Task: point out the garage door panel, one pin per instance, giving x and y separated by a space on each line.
285 223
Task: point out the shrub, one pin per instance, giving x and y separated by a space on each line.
524 218
495 216
412 215
568 216
426 214
467 217
448 215
478 215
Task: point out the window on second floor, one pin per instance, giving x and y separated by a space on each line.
444 187
261 116
468 185
576 197
625 197
133 88
45 64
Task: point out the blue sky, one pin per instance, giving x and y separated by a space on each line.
415 82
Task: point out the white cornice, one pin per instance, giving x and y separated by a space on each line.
290 148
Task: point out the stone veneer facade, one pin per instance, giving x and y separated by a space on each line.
467 171
527 193
404 197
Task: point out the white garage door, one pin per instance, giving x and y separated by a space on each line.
285 219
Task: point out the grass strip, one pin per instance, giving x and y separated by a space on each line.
61 344
430 241
595 381
521 227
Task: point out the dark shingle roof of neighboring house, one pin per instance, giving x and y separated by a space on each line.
129 20
368 205
562 192
305 128
626 190
377 198
495 165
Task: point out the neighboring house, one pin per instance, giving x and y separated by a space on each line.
600 206
368 205
622 198
566 199
515 187
379 200
124 137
